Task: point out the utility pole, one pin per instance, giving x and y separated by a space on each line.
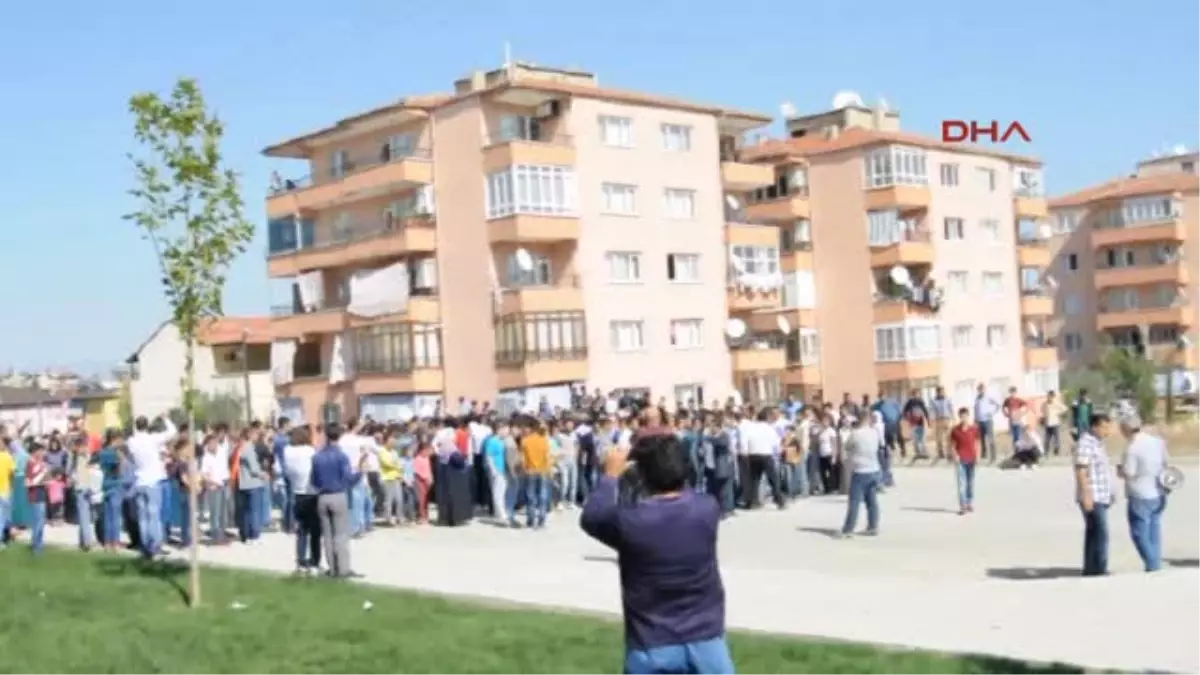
246 375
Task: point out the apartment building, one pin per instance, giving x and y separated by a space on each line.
907 263
1125 257
530 232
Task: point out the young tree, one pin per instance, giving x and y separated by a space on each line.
190 210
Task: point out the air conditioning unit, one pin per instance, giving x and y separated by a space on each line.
548 109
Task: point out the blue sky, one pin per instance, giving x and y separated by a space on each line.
1098 84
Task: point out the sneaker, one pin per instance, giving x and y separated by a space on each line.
871 533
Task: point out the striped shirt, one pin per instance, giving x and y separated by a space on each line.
1091 454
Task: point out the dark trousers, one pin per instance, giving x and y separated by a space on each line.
758 466
483 484
893 438
129 515
1053 442
308 532
829 475
721 489
1095 541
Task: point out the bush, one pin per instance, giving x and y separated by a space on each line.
213 409
1120 375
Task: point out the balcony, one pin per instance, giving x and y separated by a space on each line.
914 248
1030 205
1040 354
900 310
522 228
545 149
1036 302
891 371
1174 273
800 257
746 299
743 177
356 244
403 380
530 369
548 298
759 356
767 321
423 307
358 179
788 207
1179 313
1033 252
289 322
751 234
1171 230
803 375
903 198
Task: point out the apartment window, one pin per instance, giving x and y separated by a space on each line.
688 394
1162 334
1031 279
676 137
1187 167
961 337
619 199
339 164
616 132
624 267
987 178
1119 257
755 260
953 229
788 182
1071 262
626 336
1041 380
1072 304
895 165
997 336
1140 210
800 290
1066 222
949 174
396 348
400 146
957 280
687 333
1027 182
885 228
683 267
540 336
532 189
1165 295
993 283
537 275
1121 299
679 204
803 347
908 342
796 236
991 229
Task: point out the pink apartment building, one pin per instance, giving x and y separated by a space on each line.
529 232
908 263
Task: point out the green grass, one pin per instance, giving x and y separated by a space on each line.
70 612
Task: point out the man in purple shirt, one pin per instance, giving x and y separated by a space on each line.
666 542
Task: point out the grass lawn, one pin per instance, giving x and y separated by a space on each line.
70 612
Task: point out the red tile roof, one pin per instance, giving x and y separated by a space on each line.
1121 188
856 137
231 329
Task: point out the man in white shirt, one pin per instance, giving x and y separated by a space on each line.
761 445
1141 467
148 452
354 444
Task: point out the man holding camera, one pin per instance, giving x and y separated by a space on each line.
666 541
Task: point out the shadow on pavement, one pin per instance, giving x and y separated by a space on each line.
831 532
1182 562
1030 573
930 509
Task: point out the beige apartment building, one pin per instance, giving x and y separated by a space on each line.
907 263
1125 257
530 232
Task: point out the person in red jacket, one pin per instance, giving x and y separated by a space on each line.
964 443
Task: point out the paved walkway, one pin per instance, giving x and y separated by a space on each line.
1002 581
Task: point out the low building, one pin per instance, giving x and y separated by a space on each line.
37 411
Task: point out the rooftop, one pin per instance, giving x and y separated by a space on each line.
1122 188
858 137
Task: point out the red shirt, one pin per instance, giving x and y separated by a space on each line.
462 440
1013 405
965 441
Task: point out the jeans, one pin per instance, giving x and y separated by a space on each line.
1095 541
166 508
797 479
863 488
987 440
217 512
265 508
1053 442
918 432
149 518
707 657
500 493
111 517
966 484
1015 430
885 467
83 515
37 526
568 479
185 517
5 518
308 531
537 498
812 464
287 509
1145 527
250 513
358 506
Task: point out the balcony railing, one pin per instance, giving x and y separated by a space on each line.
1106 307
295 308
350 232
913 236
498 136
281 185
1029 191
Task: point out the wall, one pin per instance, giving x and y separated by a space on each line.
43 418
655 301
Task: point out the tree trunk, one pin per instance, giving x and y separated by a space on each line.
189 368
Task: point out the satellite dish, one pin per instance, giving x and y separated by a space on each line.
1031 329
735 329
900 276
1183 342
882 105
787 110
1179 150
737 264
1045 231
1049 281
733 202
847 99
784 326
524 260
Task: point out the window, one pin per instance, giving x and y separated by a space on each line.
993 283
987 178
676 137
687 333
396 347
518 128
624 268
1119 257
1041 380
991 229
626 336
949 174
884 228
1029 231
1031 279
1162 334
908 342
953 229
683 267
789 181
800 290
618 199
803 347
1187 167
1121 299
679 204
756 260
895 165
961 337
1139 210
1027 182
1072 305
331 413
796 237
540 336
537 275
957 280
339 164
1066 222
997 336
1071 262
616 132
687 394
532 189
400 146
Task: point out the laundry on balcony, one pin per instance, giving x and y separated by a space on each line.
379 292
283 354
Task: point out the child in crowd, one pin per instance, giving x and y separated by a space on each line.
423 470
